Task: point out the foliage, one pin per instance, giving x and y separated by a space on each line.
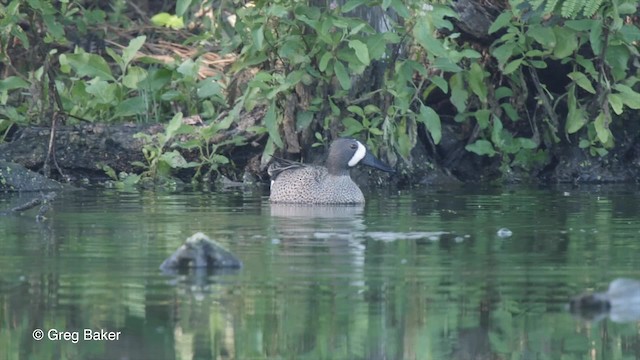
160 162
163 160
595 48
322 71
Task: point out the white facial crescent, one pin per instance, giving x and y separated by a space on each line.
359 155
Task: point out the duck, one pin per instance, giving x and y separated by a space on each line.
297 183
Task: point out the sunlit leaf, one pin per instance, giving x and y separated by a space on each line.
167 20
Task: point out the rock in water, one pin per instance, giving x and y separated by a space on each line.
198 251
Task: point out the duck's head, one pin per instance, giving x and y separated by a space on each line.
345 153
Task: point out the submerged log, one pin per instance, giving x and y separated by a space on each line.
199 251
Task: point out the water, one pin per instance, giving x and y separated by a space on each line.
416 274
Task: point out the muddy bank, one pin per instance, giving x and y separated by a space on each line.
81 153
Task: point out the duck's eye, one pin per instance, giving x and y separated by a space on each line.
353 146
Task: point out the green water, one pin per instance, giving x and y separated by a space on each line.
418 274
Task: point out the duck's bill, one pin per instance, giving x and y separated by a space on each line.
372 161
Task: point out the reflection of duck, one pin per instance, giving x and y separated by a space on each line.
293 182
621 302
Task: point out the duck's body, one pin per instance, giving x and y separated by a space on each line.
293 182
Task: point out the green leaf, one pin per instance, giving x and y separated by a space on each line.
628 7
271 123
258 38
602 128
12 83
167 20
459 94
579 25
582 81
356 110
362 52
481 147
526 143
90 65
54 28
189 69
445 64
575 116
134 76
175 160
503 20
616 103
351 4
497 135
584 143
543 35
351 126
209 87
431 120
510 111
132 49
342 75
172 127
628 96
324 61
482 117
503 52
441 83
617 57
103 91
130 107
303 119
512 66
182 6
595 36
566 43
476 82
424 36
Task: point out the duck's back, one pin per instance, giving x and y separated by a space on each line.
309 184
